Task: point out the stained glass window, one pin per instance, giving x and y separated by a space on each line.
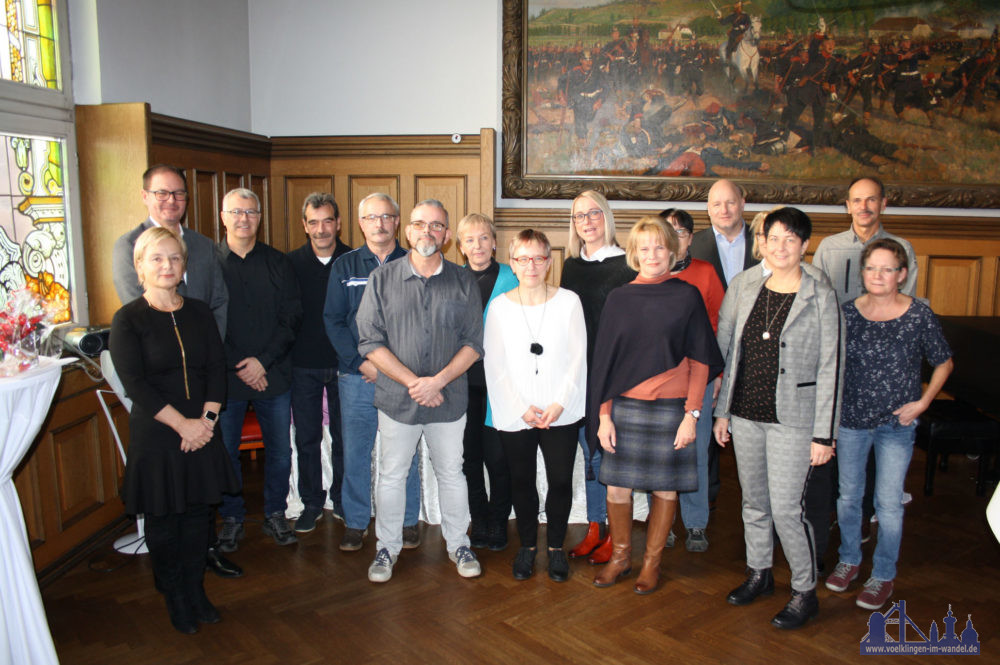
33 237
30 50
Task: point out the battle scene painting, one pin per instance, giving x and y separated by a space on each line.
652 93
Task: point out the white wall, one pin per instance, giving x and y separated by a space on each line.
374 66
187 58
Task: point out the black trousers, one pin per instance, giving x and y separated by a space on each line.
481 445
177 544
558 445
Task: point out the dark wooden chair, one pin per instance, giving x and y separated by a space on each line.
954 427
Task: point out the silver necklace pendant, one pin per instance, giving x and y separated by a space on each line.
766 335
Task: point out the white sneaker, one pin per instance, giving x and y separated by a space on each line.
381 568
465 561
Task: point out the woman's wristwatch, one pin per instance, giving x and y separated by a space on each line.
210 416
695 413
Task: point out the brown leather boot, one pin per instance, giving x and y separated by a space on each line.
620 527
661 516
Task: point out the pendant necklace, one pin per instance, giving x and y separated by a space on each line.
536 349
767 312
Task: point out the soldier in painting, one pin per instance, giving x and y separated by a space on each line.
739 23
582 90
862 74
692 69
908 88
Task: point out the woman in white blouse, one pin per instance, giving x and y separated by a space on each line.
536 368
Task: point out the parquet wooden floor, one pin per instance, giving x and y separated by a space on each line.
311 603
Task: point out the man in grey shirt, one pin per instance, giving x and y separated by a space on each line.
421 324
839 255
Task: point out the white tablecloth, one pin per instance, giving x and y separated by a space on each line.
24 403
429 507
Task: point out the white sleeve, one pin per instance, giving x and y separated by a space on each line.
505 400
574 387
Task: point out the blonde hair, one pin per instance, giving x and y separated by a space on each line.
151 237
655 225
575 244
473 219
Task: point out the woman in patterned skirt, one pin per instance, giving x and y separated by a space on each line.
654 354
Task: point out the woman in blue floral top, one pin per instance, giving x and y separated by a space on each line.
888 336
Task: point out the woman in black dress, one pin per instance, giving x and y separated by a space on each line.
168 353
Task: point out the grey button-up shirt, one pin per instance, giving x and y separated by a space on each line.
424 322
839 256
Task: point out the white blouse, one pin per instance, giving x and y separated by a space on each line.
517 378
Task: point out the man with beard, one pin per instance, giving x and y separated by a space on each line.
421 324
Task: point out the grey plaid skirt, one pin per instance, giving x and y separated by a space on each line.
644 457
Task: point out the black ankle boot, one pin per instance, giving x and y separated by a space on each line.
759 582
802 607
202 608
180 614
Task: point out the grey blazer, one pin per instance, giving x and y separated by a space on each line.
810 378
204 273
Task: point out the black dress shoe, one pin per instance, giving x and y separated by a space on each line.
220 565
759 582
558 566
524 563
802 607
180 613
203 609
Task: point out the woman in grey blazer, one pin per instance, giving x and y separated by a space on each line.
781 336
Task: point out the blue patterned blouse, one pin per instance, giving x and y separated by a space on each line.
882 371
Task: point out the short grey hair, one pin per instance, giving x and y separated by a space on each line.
434 203
243 193
318 200
378 196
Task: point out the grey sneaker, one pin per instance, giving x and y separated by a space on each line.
381 568
696 541
230 534
307 520
353 540
411 537
466 562
276 526
671 540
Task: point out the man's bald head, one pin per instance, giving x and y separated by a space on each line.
725 208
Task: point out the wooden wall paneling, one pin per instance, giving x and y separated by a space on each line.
27 485
453 192
953 285
487 172
258 184
113 150
986 298
204 204
296 191
79 472
358 188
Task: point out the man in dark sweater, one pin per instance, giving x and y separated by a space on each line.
314 361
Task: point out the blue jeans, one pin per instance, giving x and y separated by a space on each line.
275 417
597 493
694 505
359 418
893 445
307 410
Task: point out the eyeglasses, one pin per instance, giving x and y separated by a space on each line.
593 215
436 227
525 260
385 218
164 194
880 270
682 232
239 212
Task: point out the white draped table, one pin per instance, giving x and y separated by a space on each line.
24 402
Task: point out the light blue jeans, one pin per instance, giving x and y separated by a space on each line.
359 419
694 505
597 493
893 445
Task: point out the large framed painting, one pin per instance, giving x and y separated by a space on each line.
655 99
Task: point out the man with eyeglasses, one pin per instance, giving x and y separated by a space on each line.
264 315
314 362
839 255
378 217
164 192
421 324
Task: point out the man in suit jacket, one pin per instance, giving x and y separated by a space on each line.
164 191
727 245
